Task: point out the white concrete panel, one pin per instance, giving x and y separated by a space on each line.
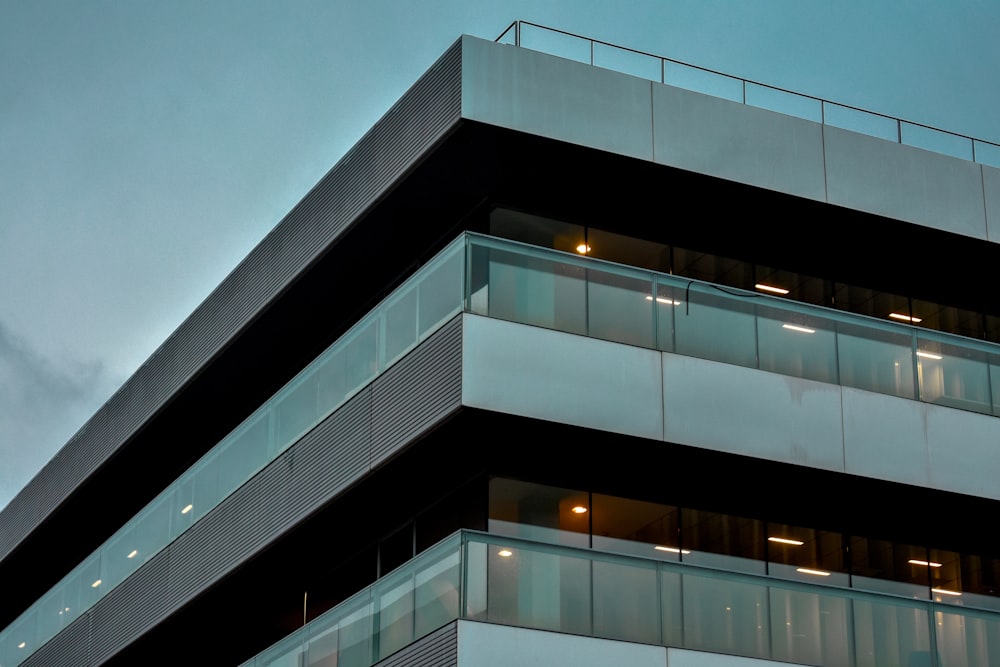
678 657
964 451
560 377
737 142
557 98
885 437
904 182
488 645
752 412
991 187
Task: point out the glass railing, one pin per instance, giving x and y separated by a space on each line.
405 318
509 581
699 79
546 288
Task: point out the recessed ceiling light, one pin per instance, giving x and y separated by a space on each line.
505 553
96 584
945 591
132 553
673 550
905 318
771 288
818 573
22 645
928 355
583 248
794 327
785 540
187 508
925 563
579 509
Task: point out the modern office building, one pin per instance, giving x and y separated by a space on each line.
559 365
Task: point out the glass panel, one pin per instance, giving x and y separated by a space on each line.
620 308
476 580
796 344
950 319
891 634
399 325
725 615
348 367
538 231
672 615
627 250
951 375
967 639
987 153
861 121
889 567
625 601
244 452
555 43
441 290
394 603
539 512
537 291
286 653
876 359
436 589
784 102
722 540
980 581
540 590
792 285
806 554
295 409
935 140
629 62
668 298
711 325
811 628
635 527
702 81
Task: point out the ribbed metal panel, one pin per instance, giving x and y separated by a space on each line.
236 529
418 391
438 649
330 457
129 610
70 648
414 124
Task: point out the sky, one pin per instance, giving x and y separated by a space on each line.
147 146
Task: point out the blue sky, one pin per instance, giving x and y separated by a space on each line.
146 147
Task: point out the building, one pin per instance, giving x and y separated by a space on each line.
693 378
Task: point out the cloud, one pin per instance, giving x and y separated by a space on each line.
42 404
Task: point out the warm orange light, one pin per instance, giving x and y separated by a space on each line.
583 248
785 540
579 509
945 591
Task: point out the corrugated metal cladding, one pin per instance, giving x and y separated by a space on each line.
323 463
71 648
417 392
438 649
427 112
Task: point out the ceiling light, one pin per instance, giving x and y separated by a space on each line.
187 508
660 299
925 563
673 550
505 553
579 509
96 584
583 248
929 355
818 573
945 591
785 540
771 288
905 318
132 553
22 645
794 327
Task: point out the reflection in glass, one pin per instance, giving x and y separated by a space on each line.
887 632
796 344
725 615
722 540
636 527
953 376
618 308
539 512
809 627
876 359
625 601
712 325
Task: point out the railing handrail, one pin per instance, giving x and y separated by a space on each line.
516 25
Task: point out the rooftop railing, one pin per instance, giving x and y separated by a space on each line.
547 288
516 582
699 79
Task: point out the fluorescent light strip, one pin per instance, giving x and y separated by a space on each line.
928 355
673 550
96 584
905 318
660 299
785 540
818 573
794 327
945 591
926 563
770 288
132 554
186 509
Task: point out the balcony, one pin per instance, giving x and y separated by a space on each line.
495 579
543 288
